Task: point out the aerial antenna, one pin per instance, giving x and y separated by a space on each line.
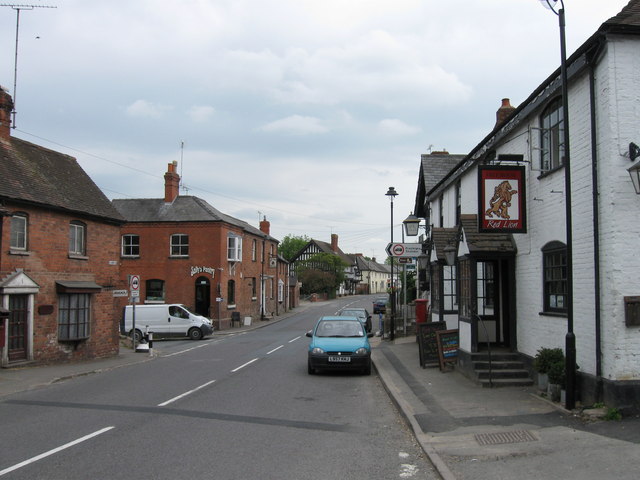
17 7
185 189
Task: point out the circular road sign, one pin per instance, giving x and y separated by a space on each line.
398 249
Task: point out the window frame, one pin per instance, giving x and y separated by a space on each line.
77 246
231 293
234 248
24 231
152 286
131 246
77 315
179 245
552 149
554 278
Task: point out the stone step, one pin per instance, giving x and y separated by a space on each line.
503 373
497 365
506 382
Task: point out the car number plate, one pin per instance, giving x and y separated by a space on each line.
339 359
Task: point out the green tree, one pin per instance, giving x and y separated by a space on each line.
290 245
321 273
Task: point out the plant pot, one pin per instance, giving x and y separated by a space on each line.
543 382
553 391
563 396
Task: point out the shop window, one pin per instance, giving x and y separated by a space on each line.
551 137
19 231
179 245
77 238
73 316
130 245
154 290
554 258
449 294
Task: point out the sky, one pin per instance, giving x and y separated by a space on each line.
303 112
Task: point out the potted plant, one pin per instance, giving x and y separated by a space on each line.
542 363
556 379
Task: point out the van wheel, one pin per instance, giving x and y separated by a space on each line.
139 335
195 334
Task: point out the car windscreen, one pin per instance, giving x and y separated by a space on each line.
352 313
338 328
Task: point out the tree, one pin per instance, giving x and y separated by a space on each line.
321 273
290 245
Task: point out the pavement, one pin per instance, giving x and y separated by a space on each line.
467 431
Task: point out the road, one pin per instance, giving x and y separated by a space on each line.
228 407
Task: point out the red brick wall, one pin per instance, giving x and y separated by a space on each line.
47 261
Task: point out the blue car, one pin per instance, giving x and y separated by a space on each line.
339 343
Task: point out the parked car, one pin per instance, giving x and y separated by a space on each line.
339 343
380 305
362 313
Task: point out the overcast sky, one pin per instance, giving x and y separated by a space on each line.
303 110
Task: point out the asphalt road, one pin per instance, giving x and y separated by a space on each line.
228 407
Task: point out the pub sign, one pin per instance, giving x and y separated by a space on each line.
502 199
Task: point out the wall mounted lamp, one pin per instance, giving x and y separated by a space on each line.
634 170
411 225
451 250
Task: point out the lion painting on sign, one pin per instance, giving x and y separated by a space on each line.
501 201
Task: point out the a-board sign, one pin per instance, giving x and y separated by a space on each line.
448 343
427 342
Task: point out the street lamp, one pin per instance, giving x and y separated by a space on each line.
391 193
570 339
411 225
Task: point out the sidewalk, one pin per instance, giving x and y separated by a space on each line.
470 432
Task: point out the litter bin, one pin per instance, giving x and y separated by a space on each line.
422 305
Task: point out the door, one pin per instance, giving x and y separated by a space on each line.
203 296
18 328
179 321
488 302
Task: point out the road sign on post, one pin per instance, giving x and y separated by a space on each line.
134 285
404 249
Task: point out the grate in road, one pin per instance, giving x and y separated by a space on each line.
500 438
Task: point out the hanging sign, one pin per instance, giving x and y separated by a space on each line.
502 199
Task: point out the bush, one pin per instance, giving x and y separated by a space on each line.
556 373
546 357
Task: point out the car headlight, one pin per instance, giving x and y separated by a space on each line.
362 351
317 351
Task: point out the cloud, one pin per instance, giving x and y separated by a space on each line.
295 125
145 109
200 113
393 126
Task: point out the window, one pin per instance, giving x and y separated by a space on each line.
179 245
234 248
130 245
155 290
19 231
280 291
435 288
464 274
458 202
449 297
441 211
77 235
254 249
554 258
73 316
552 135
486 288
231 292
254 288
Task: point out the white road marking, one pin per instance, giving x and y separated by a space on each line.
55 450
294 339
187 350
242 366
185 394
275 349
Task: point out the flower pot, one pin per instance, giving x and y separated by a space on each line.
563 396
554 392
543 382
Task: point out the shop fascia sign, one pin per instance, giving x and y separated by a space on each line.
195 270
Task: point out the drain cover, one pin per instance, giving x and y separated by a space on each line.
505 437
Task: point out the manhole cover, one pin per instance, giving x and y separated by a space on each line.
505 437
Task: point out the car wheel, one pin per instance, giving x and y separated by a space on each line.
310 369
195 334
138 334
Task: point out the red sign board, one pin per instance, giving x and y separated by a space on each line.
502 199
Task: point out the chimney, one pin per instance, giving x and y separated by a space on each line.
334 242
6 106
265 226
171 183
504 111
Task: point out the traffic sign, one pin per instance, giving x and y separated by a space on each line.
134 285
404 249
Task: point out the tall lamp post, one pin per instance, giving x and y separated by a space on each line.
570 339
391 193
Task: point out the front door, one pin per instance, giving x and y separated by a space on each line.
203 296
494 302
18 328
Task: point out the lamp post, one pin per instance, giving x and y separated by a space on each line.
570 339
391 193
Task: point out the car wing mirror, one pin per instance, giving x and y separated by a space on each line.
309 334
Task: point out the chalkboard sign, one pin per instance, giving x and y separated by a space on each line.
448 343
427 342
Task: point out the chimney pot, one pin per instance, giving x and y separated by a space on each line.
171 183
504 111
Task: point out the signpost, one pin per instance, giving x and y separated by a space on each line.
134 288
404 250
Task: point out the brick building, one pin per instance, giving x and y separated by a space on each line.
187 252
507 286
58 255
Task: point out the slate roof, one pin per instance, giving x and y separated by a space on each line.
38 176
433 168
478 243
182 209
365 265
629 16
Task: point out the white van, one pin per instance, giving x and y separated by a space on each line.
165 320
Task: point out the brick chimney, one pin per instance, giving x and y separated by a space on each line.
265 226
171 183
334 242
504 111
6 106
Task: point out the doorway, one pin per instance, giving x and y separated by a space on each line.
203 296
18 328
